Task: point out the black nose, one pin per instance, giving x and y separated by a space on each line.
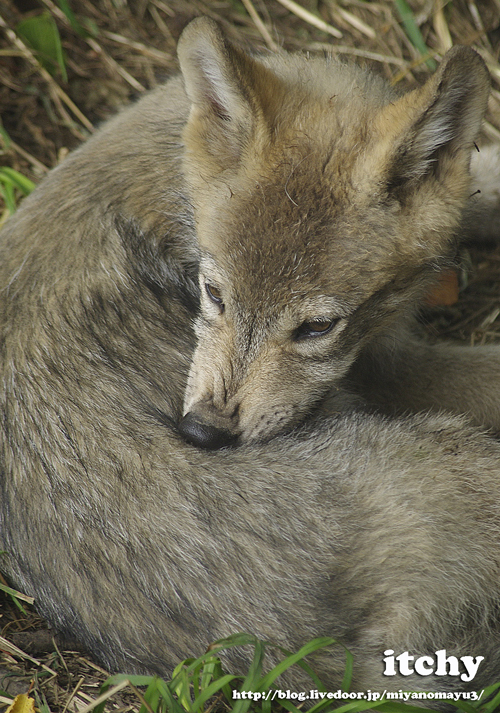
204 435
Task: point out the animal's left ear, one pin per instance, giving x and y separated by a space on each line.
429 133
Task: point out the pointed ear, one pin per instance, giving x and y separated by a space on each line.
432 129
224 85
210 67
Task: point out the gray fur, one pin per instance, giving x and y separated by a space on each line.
382 531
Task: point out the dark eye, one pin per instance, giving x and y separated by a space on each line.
215 295
315 328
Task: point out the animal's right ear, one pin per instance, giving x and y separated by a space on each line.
222 83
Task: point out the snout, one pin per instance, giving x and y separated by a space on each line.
205 428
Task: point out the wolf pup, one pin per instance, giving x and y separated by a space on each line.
292 210
324 206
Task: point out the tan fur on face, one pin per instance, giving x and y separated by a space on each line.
318 194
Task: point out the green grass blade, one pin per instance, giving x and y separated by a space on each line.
219 673
317 683
90 27
253 679
42 705
181 686
184 664
392 707
266 705
24 184
199 673
413 31
349 664
152 696
210 691
171 705
77 27
118 678
490 690
7 192
208 671
104 688
234 640
14 594
288 705
19 605
4 136
195 678
494 704
465 707
240 639
309 648
255 671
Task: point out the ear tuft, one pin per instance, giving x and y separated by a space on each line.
438 123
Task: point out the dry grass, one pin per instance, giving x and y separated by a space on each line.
130 50
133 48
56 676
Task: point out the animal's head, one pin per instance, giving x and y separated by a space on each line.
324 205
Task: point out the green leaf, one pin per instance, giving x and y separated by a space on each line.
41 34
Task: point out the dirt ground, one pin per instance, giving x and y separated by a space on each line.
113 51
